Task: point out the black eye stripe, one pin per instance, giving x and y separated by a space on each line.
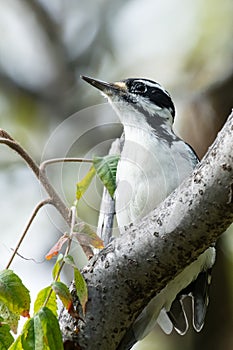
150 90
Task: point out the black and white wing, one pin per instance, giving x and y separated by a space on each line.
107 207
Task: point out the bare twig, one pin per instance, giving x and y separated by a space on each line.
40 173
44 164
35 211
6 139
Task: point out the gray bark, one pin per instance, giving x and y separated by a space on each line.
133 268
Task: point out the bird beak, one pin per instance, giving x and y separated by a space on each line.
106 88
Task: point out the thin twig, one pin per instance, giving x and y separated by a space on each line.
40 173
44 164
72 223
73 215
6 139
35 211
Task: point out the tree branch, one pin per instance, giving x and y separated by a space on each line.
47 162
6 139
40 173
132 269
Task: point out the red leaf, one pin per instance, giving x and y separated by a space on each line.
57 247
86 236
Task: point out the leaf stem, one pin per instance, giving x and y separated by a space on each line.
73 220
72 223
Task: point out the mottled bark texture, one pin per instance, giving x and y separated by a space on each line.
125 275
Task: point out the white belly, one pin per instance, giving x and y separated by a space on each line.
145 178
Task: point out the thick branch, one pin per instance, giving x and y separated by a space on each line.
131 270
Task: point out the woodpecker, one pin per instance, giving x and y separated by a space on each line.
153 162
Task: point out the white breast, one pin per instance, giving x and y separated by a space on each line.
149 170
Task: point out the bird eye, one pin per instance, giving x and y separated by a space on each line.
139 88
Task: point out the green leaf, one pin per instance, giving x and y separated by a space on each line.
57 266
47 332
17 345
106 168
26 340
6 339
13 293
42 297
81 289
83 185
27 337
64 294
41 332
80 283
70 260
9 317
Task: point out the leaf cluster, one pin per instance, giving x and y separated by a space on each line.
42 331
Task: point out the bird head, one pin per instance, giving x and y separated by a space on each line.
143 96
